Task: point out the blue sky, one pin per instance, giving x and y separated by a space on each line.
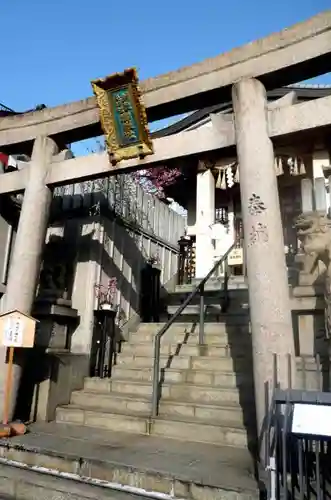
51 49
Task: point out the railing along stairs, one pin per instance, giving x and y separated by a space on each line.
199 289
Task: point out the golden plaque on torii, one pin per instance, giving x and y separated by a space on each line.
123 116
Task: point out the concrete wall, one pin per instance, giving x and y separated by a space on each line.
110 232
107 249
7 240
116 227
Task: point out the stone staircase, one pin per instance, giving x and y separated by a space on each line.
104 443
214 297
206 395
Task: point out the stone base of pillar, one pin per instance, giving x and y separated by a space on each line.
52 378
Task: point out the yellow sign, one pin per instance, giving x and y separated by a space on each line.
18 329
236 257
123 116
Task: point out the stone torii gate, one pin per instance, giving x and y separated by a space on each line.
295 54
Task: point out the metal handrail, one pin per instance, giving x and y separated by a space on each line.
159 335
5 108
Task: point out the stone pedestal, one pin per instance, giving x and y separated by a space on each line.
44 381
312 376
205 218
308 307
315 278
29 243
269 302
56 375
56 324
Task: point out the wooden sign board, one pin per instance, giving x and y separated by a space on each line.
236 257
123 116
17 329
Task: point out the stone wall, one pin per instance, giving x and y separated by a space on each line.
7 240
105 231
108 248
115 227
111 228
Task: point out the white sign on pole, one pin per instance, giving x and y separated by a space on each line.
236 257
311 419
13 332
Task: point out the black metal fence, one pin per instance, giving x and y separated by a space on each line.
186 261
150 294
5 108
298 462
104 343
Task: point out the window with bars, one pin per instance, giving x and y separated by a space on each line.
222 215
238 231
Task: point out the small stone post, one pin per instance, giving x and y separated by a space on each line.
25 265
269 302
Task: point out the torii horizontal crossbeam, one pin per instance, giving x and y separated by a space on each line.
283 121
295 54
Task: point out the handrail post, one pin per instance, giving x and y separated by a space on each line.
202 315
156 372
226 285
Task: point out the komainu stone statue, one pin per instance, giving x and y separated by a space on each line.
314 231
56 273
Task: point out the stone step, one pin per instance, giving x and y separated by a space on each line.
236 297
139 388
147 349
176 391
222 337
215 299
227 434
217 290
215 285
147 361
101 419
228 412
182 362
229 364
213 312
213 334
213 305
229 323
205 394
111 401
212 377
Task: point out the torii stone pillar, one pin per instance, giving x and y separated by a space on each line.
30 238
270 311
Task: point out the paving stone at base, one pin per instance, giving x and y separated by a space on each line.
198 472
18 484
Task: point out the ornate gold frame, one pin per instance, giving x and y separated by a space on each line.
127 80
